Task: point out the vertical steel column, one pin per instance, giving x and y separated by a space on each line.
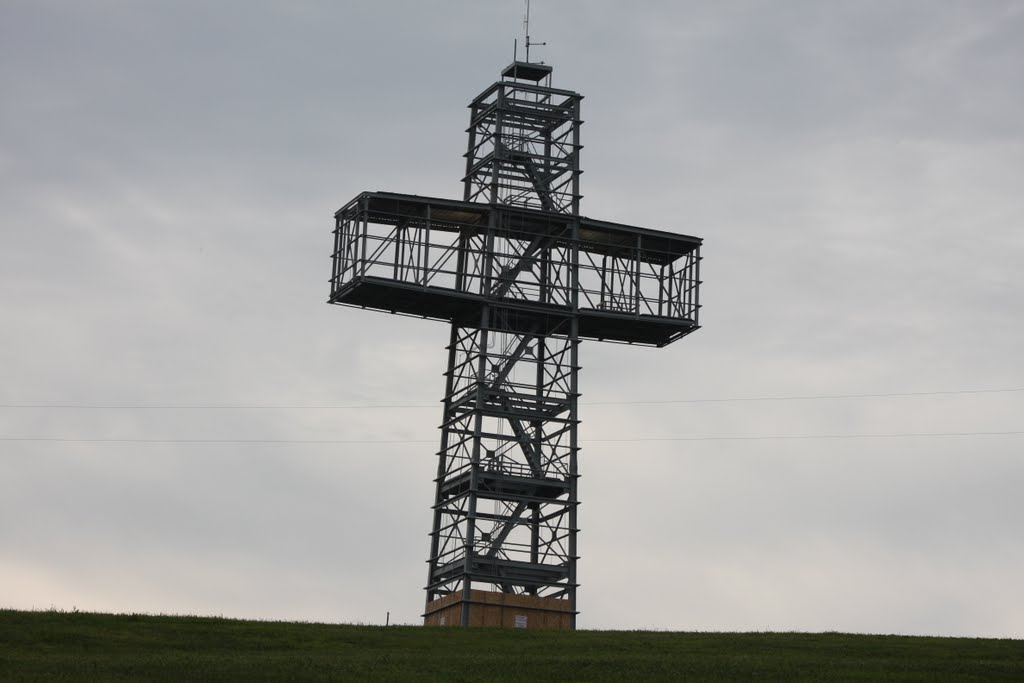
574 394
442 456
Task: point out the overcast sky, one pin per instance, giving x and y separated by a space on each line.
168 175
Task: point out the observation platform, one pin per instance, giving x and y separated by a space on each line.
446 259
507 487
498 570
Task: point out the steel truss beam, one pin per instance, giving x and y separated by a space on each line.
506 496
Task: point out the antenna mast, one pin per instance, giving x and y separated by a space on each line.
526 26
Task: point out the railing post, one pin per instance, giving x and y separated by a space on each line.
366 227
426 250
636 280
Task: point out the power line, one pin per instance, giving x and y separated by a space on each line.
802 437
88 406
59 439
302 441
771 437
367 406
818 397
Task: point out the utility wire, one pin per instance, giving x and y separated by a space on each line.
59 439
367 406
781 437
818 397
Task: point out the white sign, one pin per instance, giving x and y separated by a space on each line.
520 621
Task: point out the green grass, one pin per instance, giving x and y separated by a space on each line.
57 646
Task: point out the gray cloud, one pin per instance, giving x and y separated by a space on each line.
168 174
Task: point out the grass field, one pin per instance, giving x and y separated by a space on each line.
83 646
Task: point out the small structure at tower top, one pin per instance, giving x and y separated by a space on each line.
525 71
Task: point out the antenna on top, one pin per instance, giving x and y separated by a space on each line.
526 29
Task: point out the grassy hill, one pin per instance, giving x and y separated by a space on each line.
83 646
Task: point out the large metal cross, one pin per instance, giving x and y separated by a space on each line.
521 277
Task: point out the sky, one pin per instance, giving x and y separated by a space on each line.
168 176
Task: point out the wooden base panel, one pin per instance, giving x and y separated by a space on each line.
501 610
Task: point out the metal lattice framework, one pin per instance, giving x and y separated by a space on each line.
524 143
521 277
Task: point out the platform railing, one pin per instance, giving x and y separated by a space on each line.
514 265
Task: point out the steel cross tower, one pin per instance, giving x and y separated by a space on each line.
521 277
